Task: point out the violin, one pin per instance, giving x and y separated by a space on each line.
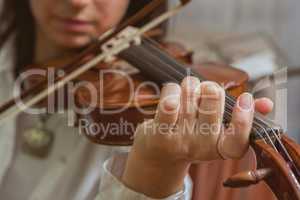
278 156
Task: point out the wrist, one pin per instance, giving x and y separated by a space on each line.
156 179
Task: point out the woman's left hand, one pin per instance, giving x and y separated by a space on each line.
188 128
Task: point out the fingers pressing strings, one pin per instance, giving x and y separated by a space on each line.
233 142
191 93
211 107
169 105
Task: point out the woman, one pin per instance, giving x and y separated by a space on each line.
38 30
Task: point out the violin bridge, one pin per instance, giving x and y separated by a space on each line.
129 36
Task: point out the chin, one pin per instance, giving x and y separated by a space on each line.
73 41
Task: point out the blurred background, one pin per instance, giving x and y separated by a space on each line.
207 19
259 37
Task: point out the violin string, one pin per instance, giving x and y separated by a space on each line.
173 64
141 61
262 128
282 146
277 138
256 131
260 135
153 62
170 64
232 101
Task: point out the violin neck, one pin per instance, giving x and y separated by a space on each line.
155 64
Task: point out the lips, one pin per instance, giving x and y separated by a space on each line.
75 25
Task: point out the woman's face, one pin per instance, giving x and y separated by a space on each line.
70 23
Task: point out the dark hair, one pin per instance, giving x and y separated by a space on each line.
16 18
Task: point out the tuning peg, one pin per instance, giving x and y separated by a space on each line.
245 179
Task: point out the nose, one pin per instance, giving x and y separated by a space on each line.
79 3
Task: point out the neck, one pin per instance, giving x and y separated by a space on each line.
46 50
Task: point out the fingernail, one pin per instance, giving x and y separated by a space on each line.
211 88
245 101
171 104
